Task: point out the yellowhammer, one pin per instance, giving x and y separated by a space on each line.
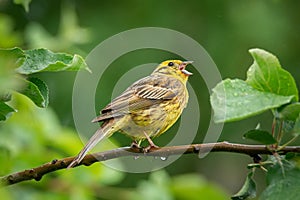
147 108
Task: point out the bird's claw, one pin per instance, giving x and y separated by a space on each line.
136 147
150 148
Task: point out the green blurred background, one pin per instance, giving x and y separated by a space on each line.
226 29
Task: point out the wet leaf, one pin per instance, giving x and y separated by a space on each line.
266 75
234 100
39 60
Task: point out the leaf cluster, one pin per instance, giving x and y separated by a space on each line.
267 87
22 64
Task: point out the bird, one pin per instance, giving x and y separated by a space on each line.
146 109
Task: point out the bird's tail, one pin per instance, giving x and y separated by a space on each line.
104 131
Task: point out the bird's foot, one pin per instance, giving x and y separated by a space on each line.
136 146
151 146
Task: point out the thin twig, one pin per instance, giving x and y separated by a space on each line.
38 172
288 142
280 132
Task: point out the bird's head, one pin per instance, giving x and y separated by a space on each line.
174 68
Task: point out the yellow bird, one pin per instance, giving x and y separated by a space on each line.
146 109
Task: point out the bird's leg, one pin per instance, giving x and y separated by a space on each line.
151 144
135 145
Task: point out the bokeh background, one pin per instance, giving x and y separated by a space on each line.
226 29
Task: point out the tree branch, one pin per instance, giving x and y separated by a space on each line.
38 172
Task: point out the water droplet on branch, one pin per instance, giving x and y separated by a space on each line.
163 158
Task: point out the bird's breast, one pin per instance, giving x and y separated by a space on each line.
155 119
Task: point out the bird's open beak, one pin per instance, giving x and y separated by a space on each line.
183 65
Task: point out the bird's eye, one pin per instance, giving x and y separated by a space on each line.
170 64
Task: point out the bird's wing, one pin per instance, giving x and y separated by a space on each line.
142 94
154 92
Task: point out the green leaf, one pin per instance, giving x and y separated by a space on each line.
282 186
234 100
248 190
37 91
266 75
290 112
261 136
39 60
11 54
24 3
5 111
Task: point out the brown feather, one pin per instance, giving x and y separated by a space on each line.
138 96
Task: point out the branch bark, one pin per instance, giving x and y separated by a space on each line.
38 172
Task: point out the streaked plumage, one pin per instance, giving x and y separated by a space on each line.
147 108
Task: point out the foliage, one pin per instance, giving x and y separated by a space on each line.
258 94
268 87
46 129
39 135
282 184
34 135
248 190
261 136
26 62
